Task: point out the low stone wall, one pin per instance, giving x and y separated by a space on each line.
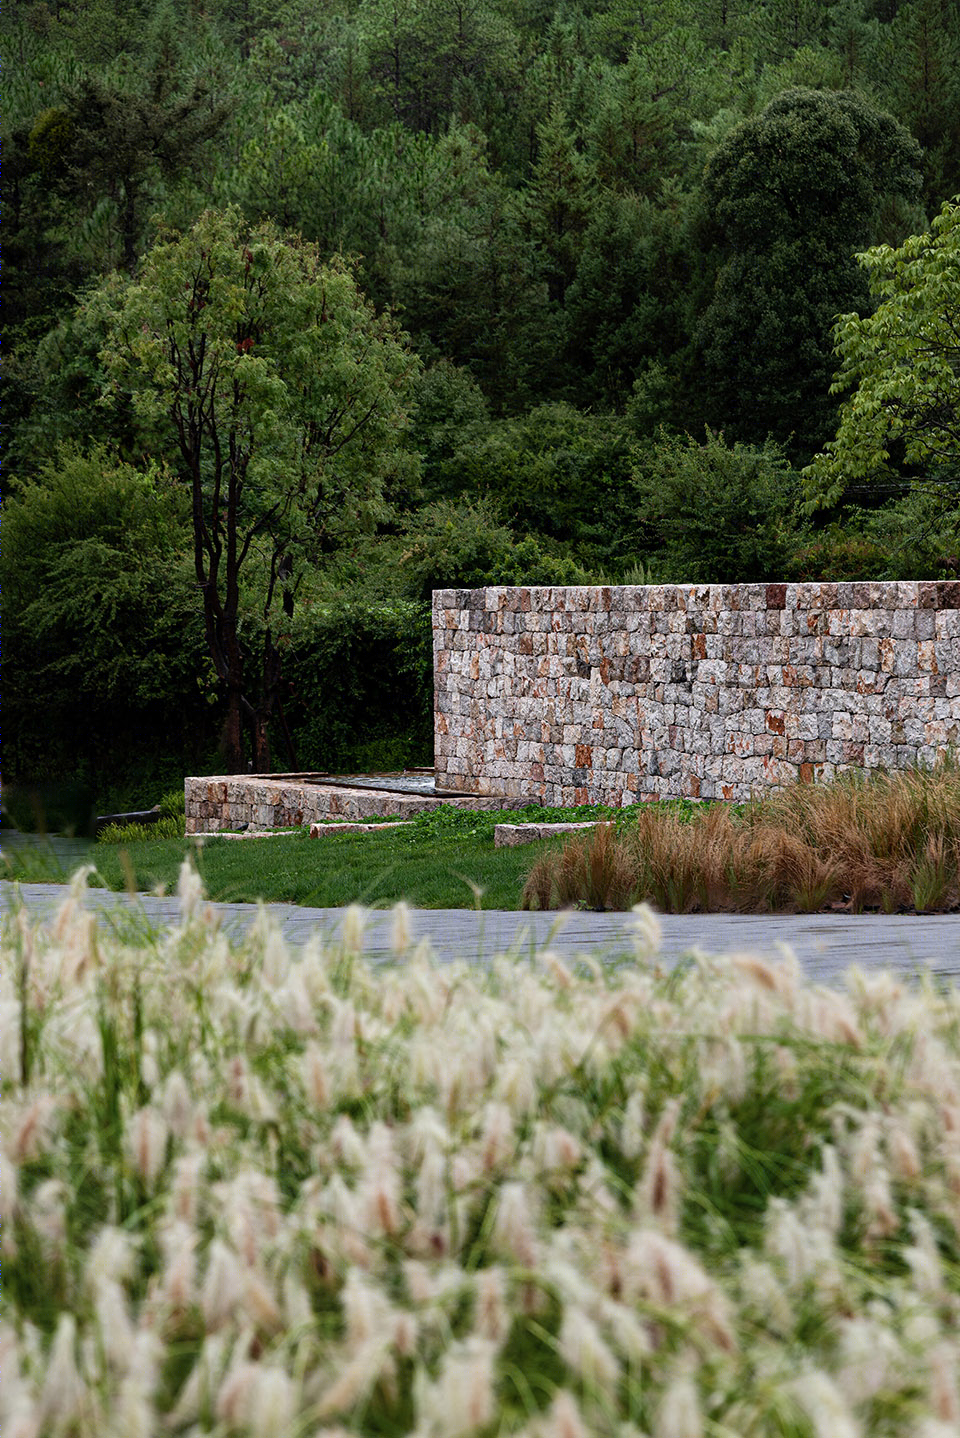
611 695
218 802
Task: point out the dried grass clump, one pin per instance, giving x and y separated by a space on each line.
248 1190
890 842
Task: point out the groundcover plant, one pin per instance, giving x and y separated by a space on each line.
247 1189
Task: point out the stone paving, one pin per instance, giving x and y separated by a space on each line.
826 944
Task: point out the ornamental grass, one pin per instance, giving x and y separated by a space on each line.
888 842
248 1189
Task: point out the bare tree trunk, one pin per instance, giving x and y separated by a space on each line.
260 730
231 737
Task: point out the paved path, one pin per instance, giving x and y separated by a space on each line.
827 944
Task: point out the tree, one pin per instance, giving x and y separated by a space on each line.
112 139
279 394
95 665
793 194
902 364
714 513
920 81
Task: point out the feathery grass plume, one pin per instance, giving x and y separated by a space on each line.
462 1400
273 1403
178 1241
379 1195
563 1418
585 1351
514 1230
65 1400
871 1360
492 1316
147 1136
34 1129
658 1191
647 931
678 1413
352 929
222 1285
276 1192
353 1380
923 1257
189 892
400 929
825 1406
944 1387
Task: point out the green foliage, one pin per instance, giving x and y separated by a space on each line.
559 473
104 648
462 545
914 537
626 308
360 681
450 414
919 78
525 185
793 193
173 804
902 363
167 827
280 396
714 512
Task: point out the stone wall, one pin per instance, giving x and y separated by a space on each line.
217 803
611 695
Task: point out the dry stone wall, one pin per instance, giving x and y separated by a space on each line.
217 803
612 695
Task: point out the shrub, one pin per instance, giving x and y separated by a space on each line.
716 513
104 639
360 685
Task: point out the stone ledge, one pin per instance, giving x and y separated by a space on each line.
509 836
251 834
221 802
320 831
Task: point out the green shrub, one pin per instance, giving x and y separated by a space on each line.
716 513
359 686
466 545
168 827
102 624
173 804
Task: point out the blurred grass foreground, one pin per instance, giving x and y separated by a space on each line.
252 1190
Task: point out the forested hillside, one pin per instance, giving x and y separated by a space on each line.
315 305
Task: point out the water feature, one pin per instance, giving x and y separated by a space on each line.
33 855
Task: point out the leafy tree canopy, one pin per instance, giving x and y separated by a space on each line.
899 366
279 395
793 193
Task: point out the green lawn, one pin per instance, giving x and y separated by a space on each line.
443 859
429 870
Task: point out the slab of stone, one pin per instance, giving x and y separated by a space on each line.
218 802
252 834
509 836
318 831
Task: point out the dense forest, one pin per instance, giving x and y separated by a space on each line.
315 306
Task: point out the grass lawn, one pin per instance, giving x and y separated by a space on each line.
430 866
